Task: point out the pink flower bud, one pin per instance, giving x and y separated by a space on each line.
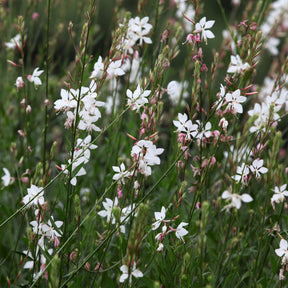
72 256
87 266
24 180
56 242
35 16
21 133
212 161
216 133
198 205
46 102
119 191
23 103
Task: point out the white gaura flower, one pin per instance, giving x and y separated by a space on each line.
146 155
159 217
108 206
257 168
34 78
180 231
282 251
235 199
146 150
236 65
241 174
114 69
121 173
138 29
14 42
67 101
138 98
125 270
202 27
203 131
6 178
34 192
280 194
49 230
186 126
235 99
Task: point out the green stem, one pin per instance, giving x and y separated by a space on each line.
46 92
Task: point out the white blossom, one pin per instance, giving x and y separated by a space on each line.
236 65
202 27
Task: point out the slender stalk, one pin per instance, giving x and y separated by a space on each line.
46 92
70 189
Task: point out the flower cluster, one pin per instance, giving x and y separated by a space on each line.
109 206
145 154
89 114
273 97
256 168
49 230
137 31
180 231
81 156
275 25
187 9
190 130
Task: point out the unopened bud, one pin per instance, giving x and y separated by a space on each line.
46 102
28 109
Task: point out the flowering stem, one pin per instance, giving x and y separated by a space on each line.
70 189
46 91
